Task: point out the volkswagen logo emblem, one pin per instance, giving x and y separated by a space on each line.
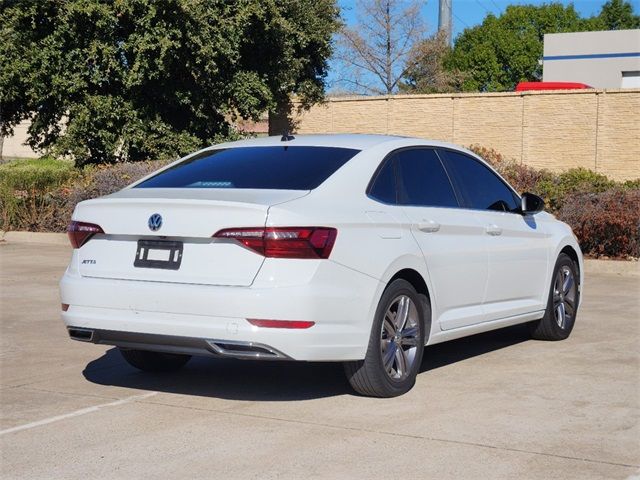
155 222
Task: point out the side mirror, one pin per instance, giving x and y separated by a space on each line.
531 204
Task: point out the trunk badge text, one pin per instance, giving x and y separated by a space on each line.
155 222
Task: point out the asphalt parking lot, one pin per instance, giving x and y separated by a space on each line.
496 405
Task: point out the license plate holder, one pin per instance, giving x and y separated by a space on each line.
158 250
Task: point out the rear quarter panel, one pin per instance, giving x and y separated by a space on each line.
373 238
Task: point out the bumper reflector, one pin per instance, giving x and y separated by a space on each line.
296 324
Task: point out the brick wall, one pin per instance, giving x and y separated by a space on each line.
594 129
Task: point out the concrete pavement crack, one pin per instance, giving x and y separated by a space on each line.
396 434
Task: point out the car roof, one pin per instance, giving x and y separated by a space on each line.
356 141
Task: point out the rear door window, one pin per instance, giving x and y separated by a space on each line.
422 179
478 186
278 168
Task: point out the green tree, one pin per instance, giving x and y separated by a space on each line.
505 50
134 79
616 15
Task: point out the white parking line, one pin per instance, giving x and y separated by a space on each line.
77 413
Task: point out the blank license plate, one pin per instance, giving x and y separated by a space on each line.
158 254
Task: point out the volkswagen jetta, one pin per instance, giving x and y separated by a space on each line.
360 249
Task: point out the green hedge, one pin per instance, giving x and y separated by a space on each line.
40 174
603 213
28 191
39 195
607 224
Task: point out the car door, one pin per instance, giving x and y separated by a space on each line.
451 240
517 245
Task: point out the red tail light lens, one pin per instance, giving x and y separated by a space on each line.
285 242
80 232
296 324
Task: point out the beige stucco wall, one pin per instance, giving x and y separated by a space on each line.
14 146
594 129
619 135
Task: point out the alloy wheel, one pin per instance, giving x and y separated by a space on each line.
399 337
564 296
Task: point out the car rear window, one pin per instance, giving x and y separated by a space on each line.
278 168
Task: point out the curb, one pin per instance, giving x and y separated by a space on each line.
630 268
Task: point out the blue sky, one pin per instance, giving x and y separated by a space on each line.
468 13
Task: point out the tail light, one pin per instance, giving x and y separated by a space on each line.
284 242
80 232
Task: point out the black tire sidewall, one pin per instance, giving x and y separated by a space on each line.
395 289
562 333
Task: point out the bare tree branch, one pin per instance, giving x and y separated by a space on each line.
361 87
425 72
372 55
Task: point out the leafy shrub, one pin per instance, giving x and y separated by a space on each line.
521 177
40 174
607 223
97 182
27 191
557 190
40 195
632 184
105 179
603 213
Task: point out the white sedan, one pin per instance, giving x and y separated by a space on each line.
360 249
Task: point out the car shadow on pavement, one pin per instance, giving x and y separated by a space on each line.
277 380
226 378
443 354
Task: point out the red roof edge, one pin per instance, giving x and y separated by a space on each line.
527 86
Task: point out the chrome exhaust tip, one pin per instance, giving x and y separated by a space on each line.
81 334
246 350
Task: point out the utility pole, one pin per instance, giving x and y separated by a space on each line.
444 19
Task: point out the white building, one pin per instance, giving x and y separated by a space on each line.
607 59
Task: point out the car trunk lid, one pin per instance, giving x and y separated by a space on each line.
189 219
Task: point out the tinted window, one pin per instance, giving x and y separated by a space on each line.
384 184
287 168
478 186
422 179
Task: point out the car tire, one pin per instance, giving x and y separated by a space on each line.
148 361
562 304
396 344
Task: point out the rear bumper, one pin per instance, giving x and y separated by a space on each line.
339 300
175 344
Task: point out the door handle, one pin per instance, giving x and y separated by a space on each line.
493 230
428 226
